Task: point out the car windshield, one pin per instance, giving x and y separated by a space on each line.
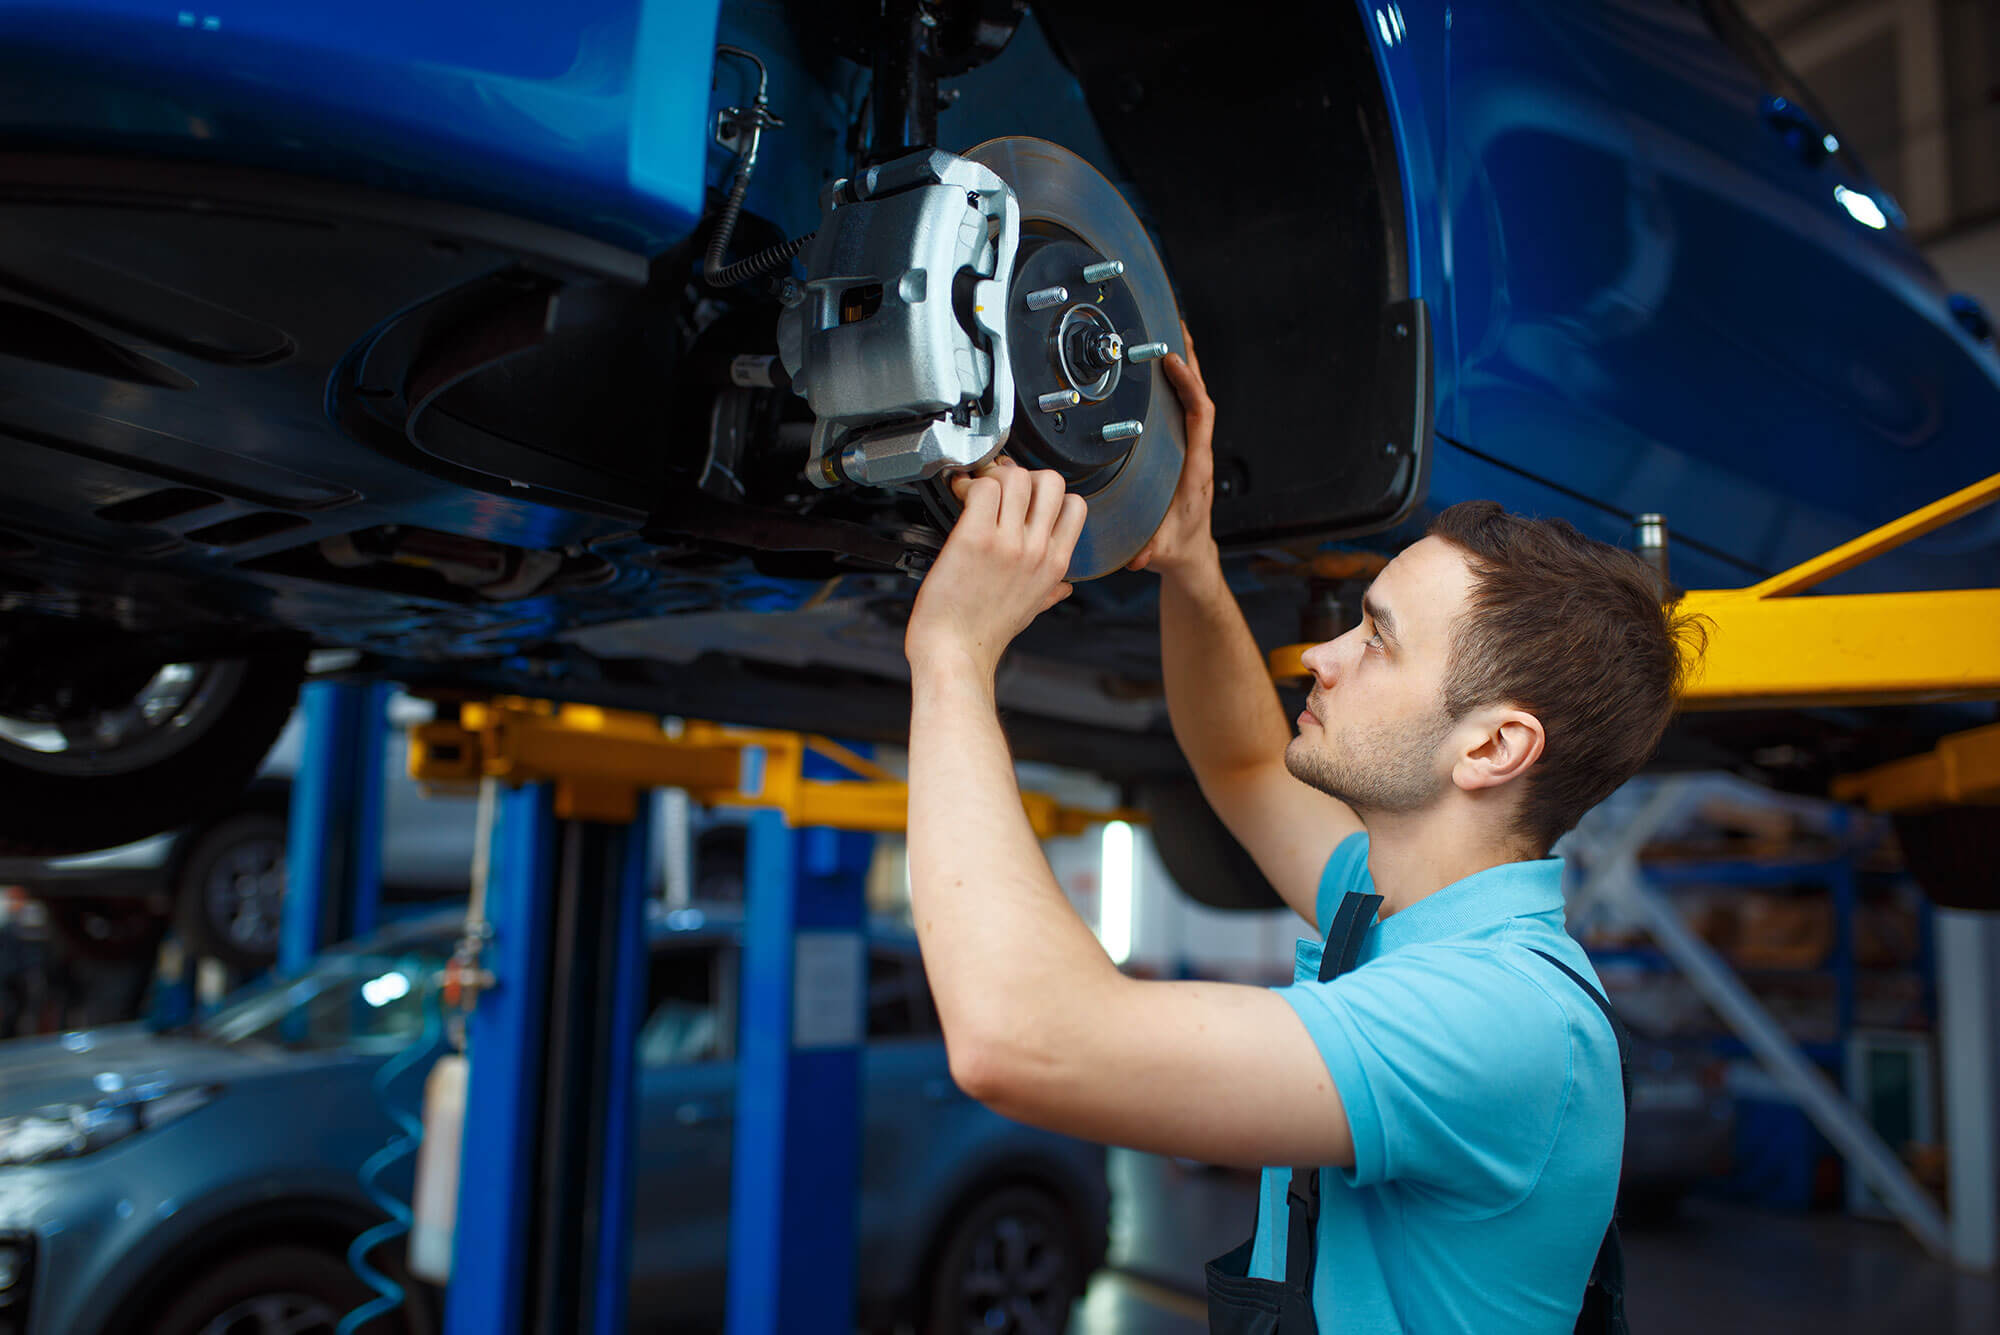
368 1002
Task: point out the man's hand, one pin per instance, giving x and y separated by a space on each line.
1184 538
1002 566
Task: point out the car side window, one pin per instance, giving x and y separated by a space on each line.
899 996
684 1018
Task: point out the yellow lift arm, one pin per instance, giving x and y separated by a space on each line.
1769 647
601 760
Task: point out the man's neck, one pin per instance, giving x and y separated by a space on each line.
1412 857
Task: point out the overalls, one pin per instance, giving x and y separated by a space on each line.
1241 1305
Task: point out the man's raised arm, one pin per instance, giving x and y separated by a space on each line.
1226 713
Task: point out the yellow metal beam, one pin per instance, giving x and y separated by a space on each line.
1964 768
1876 541
1859 649
600 760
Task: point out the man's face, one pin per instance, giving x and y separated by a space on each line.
1374 729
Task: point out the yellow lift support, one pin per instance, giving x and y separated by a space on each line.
601 760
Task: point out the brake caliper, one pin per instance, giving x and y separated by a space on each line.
898 336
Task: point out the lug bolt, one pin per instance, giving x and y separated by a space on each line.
1145 352
1103 272
1057 400
1121 430
1043 298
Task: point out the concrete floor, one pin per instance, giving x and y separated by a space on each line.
1717 1270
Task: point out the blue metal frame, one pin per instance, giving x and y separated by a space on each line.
333 844
568 1027
793 1219
505 1040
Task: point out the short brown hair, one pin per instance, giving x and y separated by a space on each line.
1576 632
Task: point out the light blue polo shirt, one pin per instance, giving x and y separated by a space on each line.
1482 1088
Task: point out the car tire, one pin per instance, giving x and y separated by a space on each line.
48 808
1199 852
295 1289
230 890
1010 1263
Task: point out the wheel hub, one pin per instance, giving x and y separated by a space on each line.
1075 401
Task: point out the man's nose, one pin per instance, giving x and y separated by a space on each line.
1321 661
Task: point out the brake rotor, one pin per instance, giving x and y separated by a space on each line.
1113 427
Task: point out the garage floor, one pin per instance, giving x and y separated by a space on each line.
1719 1270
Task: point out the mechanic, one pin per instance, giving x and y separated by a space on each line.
1458 1095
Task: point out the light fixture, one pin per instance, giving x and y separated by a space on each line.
1863 208
1114 902
391 986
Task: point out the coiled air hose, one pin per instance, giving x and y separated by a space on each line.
410 1131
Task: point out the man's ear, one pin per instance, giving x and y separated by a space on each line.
1508 741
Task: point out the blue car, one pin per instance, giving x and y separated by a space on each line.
208 1182
617 350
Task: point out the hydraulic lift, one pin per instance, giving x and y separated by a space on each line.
557 987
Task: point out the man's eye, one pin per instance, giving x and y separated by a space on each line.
1376 640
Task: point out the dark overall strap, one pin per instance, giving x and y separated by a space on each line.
1604 1296
1344 935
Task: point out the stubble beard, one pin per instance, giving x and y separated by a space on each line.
1391 771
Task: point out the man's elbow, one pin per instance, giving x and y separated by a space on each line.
977 1069
999 1071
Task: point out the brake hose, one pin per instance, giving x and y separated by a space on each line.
713 271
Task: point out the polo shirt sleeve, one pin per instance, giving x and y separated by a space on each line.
1345 870
1454 1068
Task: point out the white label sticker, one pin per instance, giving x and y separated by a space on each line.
828 974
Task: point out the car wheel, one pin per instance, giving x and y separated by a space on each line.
271 1291
1010 1264
130 752
230 894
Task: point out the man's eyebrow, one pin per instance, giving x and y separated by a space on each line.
1379 614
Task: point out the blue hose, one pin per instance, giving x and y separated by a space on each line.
410 1134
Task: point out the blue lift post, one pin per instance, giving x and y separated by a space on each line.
333 844
796 1174
542 1244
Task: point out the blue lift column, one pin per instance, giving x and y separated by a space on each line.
542 1244
333 844
795 1185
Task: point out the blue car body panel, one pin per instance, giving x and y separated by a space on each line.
590 114
1660 306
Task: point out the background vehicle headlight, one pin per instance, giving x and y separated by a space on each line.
67 1130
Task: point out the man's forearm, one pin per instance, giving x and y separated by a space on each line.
1006 953
1226 714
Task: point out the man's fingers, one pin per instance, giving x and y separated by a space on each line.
1187 341
979 497
1069 525
1045 501
1016 489
1187 385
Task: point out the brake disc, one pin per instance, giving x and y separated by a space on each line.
1089 314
